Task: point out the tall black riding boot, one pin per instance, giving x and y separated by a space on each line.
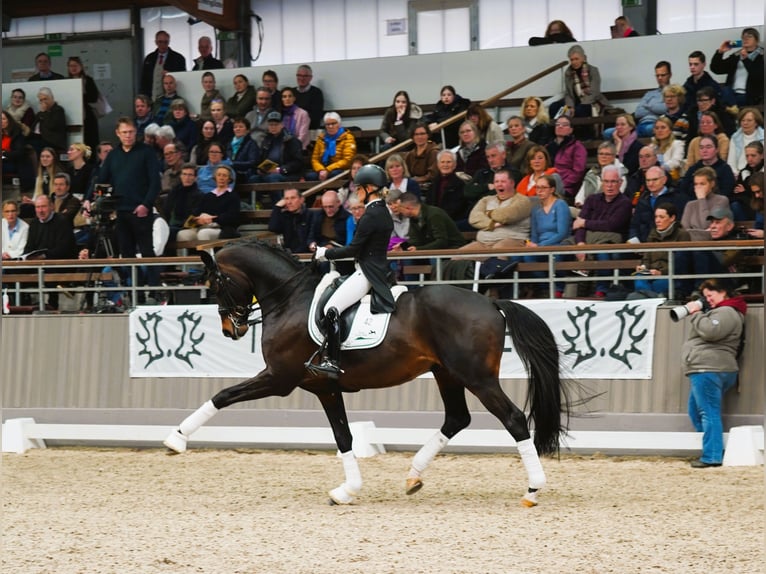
330 363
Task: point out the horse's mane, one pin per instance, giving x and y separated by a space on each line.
276 249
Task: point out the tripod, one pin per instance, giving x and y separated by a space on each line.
103 248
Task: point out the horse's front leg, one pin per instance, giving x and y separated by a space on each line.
262 385
335 409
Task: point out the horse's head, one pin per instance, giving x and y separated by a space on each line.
235 300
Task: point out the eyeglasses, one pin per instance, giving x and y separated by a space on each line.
611 181
704 99
562 124
330 124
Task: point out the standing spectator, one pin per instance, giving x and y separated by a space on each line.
291 219
447 189
243 151
295 119
421 159
471 156
44 72
211 93
243 100
557 32
184 128
15 231
80 169
142 106
622 28
582 87
710 361
709 125
257 116
696 212
698 78
270 82
642 222
750 122
161 105
158 63
206 60
517 146
743 68
90 95
569 158
308 96
399 120
450 104
134 173
537 123
284 151
328 228
19 108
49 129
333 150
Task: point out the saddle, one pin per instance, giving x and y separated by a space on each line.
359 327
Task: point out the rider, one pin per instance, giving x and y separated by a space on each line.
368 248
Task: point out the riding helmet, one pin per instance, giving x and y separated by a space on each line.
371 174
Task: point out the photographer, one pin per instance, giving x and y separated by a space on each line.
717 324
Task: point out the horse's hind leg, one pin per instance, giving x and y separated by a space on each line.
335 409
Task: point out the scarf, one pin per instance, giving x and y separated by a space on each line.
330 147
755 53
581 80
236 143
626 143
663 234
736 302
18 112
288 119
466 151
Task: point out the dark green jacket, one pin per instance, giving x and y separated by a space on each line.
434 229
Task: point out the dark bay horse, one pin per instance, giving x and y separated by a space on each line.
456 334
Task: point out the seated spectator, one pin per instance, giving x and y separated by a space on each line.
205 137
622 28
606 155
217 213
652 104
502 220
209 93
257 116
161 105
489 130
483 181
348 191
243 100
471 156
697 79
741 195
102 151
401 231
398 176
309 97
517 145
666 229
569 157
708 200
537 123
243 152
707 102
430 226
292 220
708 147
282 153
49 129
206 174
270 82
20 110
750 122
626 142
328 228
80 169
743 68
185 129
16 160
47 166
296 120
142 106
674 104
399 120
709 125
421 159
174 161
557 32
356 209
64 202
333 150
182 201
642 222
756 184
604 219
582 88
15 231
670 151
710 262
450 104
538 164
224 130
446 189
636 185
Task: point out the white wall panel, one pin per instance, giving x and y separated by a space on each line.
496 24
298 30
748 13
329 30
274 37
430 32
712 14
115 20
528 21
87 22
397 45
457 36
600 16
363 28
675 16
570 11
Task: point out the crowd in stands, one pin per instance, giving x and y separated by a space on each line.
689 157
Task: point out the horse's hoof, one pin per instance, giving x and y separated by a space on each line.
413 485
176 442
331 502
340 496
529 500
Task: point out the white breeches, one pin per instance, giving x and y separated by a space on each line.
200 233
350 291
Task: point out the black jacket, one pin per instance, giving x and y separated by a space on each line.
174 62
285 150
207 63
450 198
755 76
55 235
294 228
442 112
338 224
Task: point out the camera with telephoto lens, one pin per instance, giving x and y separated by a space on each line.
678 313
104 203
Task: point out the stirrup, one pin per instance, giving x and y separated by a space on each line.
327 368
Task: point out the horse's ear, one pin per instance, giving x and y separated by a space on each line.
209 262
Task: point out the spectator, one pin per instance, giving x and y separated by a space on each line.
670 151
165 135
224 131
356 209
348 191
666 229
20 110
44 72
15 231
206 61
398 176
217 213
708 148
64 202
741 195
142 106
270 82
447 189
243 152
308 96
675 99
103 150
489 131
710 358
708 102
291 219
536 121
483 181
49 129
743 68
606 155
161 104
205 137
182 201
582 87
328 228
283 150
186 131
333 150
206 173
652 104
295 119
471 156
257 116
557 32
708 200
401 231
158 63
90 95
709 262
569 158
698 78
399 120
756 184
243 100
430 226
709 125
174 161
603 219
622 28
210 93
16 160
642 222
421 159
626 142
47 167
80 169
517 146
450 104
750 122
636 186
538 164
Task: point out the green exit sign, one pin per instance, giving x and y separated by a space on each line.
631 3
57 36
55 50
227 35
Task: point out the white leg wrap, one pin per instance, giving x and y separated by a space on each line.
198 418
426 454
531 463
345 493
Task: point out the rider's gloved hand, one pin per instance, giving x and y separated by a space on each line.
319 254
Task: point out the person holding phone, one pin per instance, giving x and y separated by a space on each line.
743 67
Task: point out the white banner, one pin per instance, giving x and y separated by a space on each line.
598 340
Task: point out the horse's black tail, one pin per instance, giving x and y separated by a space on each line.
547 396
